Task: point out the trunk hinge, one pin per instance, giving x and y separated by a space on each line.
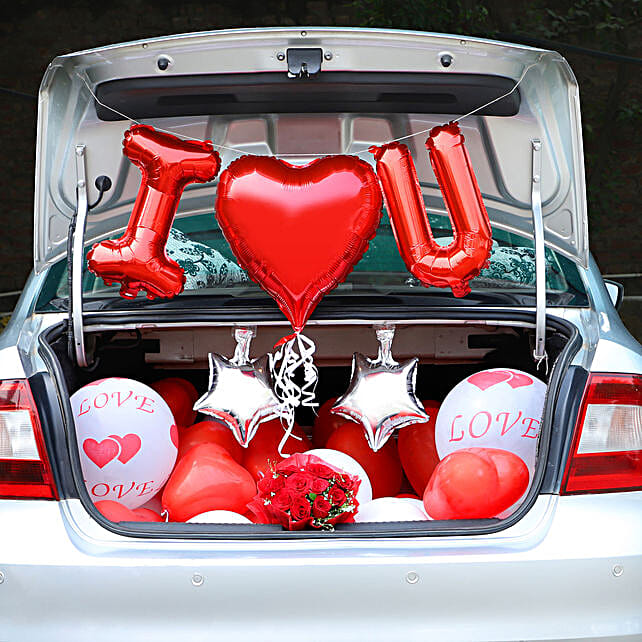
539 352
75 261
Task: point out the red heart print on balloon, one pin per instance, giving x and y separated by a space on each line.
129 445
100 452
298 230
518 380
489 378
173 435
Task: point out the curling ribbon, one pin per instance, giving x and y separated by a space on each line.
291 352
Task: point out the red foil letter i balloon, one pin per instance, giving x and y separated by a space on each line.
137 260
456 264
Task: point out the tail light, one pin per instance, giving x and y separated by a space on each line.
606 454
24 466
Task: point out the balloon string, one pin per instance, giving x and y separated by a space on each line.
297 350
310 372
357 153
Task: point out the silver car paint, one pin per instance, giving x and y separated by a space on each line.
549 111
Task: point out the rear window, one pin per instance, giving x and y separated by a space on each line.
197 244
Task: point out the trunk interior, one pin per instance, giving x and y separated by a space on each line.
448 351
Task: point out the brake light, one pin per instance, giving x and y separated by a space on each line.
606 454
24 465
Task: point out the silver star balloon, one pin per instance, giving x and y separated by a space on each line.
240 393
381 395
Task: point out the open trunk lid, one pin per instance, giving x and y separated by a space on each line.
374 86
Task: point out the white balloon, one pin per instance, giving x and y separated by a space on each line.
348 464
391 509
498 408
155 503
219 517
127 440
418 504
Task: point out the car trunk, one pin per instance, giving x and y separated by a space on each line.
519 110
449 346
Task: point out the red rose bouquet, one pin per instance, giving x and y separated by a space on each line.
303 490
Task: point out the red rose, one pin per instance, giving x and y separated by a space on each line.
279 517
337 497
321 507
282 500
345 481
277 483
299 483
319 485
292 464
299 508
264 485
321 470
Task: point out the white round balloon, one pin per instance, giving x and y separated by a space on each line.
219 517
391 509
498 408
127 440
348 464
154 503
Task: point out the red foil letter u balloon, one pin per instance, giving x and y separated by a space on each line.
137 260
457 263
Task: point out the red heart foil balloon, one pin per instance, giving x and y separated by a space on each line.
209 432
475 483
207 478
512 474
382 467
417 449
298 230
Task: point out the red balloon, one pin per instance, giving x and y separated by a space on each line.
326 423
207 478
298 230
417 449
148 515
116 512
209 432
455 264
137 260
180 395
475 483
382 467
408 496
264 447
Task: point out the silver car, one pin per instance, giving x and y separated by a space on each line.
567 564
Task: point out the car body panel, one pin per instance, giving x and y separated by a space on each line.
500 148
570 569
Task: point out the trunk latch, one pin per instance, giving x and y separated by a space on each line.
304 62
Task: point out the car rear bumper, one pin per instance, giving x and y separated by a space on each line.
572 568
